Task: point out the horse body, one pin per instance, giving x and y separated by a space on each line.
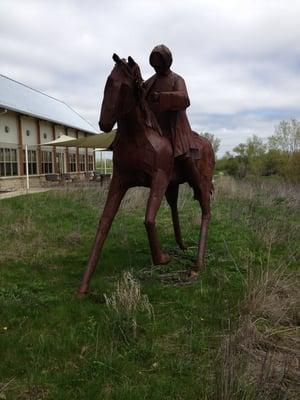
142 156
138 167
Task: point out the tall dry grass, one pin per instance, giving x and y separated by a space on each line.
263 352
260 356
260 359
126 304
266 191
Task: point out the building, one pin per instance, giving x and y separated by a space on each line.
30 117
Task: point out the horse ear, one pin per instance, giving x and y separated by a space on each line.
131 62
116 58
135 69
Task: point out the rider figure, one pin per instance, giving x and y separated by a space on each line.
167 97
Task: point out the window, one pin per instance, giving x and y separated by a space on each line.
90 163
60 162
8 162
32 164
72 161
47 167
82 162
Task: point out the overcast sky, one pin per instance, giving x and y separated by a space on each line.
240 59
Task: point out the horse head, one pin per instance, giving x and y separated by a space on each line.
121 92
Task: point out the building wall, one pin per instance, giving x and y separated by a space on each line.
72 133
19 182
32 132
46 132
8 119
29 131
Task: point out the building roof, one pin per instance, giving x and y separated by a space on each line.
18 97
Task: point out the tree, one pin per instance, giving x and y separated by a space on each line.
250 156
280 157
273 163
254 147
215 142
286 137
240 150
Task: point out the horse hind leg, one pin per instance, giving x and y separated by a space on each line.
172 197
202 186
203 194
157 192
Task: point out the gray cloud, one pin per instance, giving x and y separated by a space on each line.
240 60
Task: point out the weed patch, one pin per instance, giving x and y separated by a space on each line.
126 304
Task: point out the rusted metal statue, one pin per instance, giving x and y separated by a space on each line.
154 147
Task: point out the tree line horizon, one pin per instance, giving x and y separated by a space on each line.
278 155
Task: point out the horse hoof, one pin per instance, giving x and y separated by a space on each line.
193 274
80 295
198 266
163 259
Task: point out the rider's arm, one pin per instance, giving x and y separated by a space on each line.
175 100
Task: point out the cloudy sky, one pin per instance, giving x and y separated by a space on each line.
240 59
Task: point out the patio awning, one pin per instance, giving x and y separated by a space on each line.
59 141
101 141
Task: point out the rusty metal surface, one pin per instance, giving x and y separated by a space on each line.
154 147
168 98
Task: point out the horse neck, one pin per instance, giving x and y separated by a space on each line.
133 122
139 120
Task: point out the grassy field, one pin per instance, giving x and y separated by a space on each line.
144 332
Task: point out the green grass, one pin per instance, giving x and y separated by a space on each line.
53 346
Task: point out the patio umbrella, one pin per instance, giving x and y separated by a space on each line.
58 142
102 141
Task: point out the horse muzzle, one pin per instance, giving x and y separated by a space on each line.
105 127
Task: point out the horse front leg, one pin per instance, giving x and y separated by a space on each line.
115 195
157 192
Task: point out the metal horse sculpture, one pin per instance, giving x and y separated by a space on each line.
142 156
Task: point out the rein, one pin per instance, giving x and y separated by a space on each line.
148 114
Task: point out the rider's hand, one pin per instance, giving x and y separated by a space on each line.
155 97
